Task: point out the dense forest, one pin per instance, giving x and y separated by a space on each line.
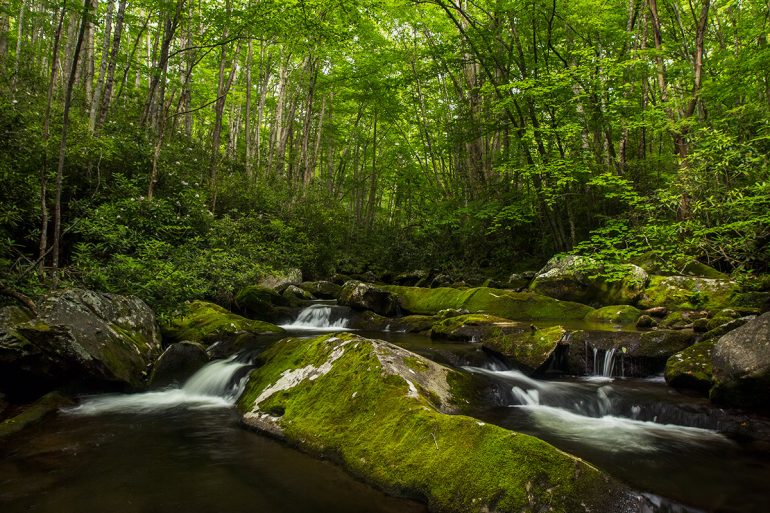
180 149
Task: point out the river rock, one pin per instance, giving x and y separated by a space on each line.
642 353
34 413
279 280
419 278
381 412
741 361
177 363
518 306
263 303
364 296
294 293
646 322
584 280
322 289
80 339
692 368
207 323
688 293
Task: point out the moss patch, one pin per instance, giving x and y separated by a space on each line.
692 367
367 405
688 293
207 323
34 413
617 315
529 349
523 306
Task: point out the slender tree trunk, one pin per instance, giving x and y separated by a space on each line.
43 246
247 121
99 88
113 62
89 54
63 145
19 35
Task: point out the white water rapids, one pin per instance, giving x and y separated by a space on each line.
320 318
213 386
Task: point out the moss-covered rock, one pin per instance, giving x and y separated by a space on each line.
263 303
691 368
204 322
322 289
380 411
616 315
472 327
679 267
530 348
584 280
688 293
364 296
294 294
34 413
519 306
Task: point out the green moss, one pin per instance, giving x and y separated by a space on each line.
530 348
206 322
260 302
468 326
688 293
363 415
692 367
617 315
499 302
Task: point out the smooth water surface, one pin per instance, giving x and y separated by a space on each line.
176 459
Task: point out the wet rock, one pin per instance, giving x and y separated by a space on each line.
584 280
322 289
34 413
363 296
520 280
81 339
204 322
691 368
177 363
380 411
413 279
441 280
725 328
741 361
294 294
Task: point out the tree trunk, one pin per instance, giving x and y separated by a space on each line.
97 97
43 245
247 121
63 145
113 62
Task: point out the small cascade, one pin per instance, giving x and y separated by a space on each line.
216 385
321 317
604 365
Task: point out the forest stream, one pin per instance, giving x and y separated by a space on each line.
182 448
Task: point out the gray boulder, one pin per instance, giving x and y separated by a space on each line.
584 280
321 289
741 366
80 339
364 296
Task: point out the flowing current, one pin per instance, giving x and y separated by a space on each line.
216 385
321 317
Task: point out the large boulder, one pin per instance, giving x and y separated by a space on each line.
741 361
279 280
584 280
364 296
207 323
520 306
615 315
177 363
263 303
321 289
381 412
79 339
688 293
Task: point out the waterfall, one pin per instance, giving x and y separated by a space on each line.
604 368
321 317
218 384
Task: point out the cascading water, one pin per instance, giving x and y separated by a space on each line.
321 317
216 385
